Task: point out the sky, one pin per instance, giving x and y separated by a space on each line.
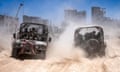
54 9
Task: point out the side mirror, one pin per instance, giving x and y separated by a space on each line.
14 35
50 39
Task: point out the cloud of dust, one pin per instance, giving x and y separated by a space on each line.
5 39
112 40
64 47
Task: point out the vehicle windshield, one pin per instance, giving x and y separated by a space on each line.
83 31
89 33
32 31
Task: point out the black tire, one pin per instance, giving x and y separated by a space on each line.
15 52
102 51
92 47
43 54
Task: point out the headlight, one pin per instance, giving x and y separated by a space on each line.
40 47
17 41
37 46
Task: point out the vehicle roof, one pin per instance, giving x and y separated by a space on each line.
91 27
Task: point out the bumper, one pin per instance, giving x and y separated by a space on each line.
27 47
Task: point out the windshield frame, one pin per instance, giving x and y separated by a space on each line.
23 25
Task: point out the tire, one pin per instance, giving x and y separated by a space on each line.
102 51
15 52
92 47
43 54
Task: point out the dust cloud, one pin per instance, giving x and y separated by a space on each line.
64 45
5 39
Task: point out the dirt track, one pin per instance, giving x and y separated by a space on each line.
8 64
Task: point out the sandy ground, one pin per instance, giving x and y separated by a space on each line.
8 64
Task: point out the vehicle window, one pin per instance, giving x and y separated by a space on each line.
31 31
83 31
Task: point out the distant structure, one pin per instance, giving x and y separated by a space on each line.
99 17
34 19
75 16
98 14
8 23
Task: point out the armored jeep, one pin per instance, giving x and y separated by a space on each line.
91 40
31 39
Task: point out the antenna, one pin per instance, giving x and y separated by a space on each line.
21 4
23 7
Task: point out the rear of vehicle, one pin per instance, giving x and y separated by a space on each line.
91 40
32 39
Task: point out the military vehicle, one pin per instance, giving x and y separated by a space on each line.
31 39
91 40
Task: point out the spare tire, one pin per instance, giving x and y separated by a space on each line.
92 47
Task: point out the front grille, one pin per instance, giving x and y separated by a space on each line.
40 47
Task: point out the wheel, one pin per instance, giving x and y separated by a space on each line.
92 47
15 52
43 54
102 51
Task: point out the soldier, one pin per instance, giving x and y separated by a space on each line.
24 34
